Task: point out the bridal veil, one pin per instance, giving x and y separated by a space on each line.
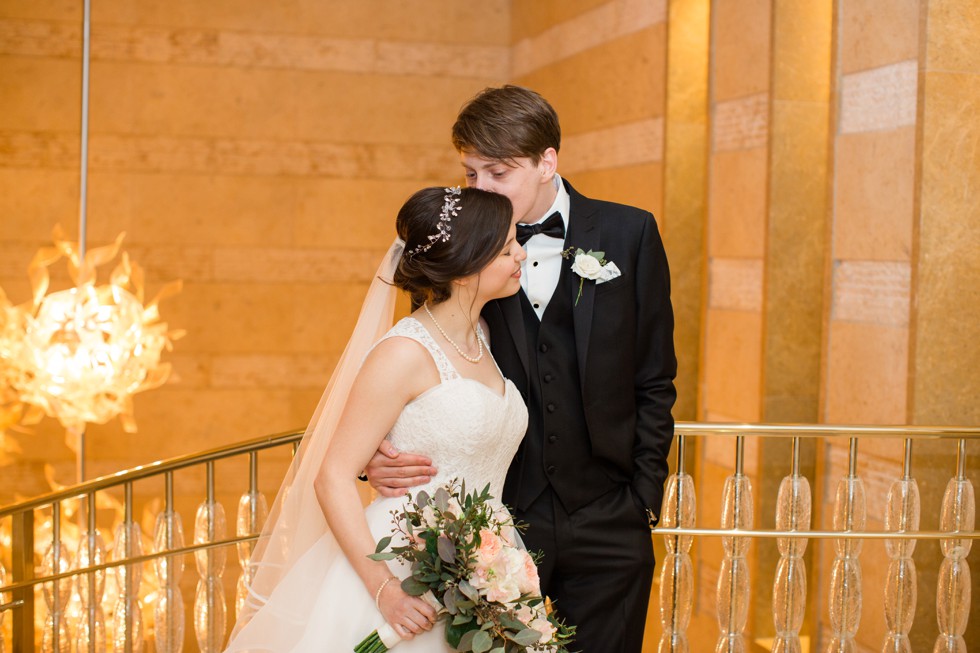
296 522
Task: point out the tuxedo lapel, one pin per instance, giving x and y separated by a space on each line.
511 309
583 233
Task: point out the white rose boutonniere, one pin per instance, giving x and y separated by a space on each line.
590 265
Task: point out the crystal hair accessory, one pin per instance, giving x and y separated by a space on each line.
450 209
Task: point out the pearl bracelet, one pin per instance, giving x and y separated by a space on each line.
377 595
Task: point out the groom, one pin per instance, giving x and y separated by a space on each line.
593 360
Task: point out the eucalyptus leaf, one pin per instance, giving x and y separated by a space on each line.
413 587
527 637
447 550
383 544
383 556
482 642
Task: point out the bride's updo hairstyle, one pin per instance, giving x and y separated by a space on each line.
478 224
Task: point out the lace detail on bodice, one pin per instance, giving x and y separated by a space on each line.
468 430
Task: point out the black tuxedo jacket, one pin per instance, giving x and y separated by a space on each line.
624 343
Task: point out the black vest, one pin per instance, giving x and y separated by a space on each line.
556 450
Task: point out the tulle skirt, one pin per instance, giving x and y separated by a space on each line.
321 606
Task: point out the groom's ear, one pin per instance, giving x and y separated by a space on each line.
548 164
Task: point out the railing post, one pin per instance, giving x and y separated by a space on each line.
22 569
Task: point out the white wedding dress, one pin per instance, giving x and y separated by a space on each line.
470 432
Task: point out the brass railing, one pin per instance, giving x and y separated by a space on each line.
93 599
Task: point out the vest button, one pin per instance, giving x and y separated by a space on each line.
552 469
548 377
543 348
552 438
551 408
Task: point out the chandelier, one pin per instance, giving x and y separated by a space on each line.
80 354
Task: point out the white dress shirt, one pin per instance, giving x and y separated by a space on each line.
541 268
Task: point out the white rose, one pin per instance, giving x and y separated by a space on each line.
586 266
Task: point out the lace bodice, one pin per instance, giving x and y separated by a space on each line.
468 430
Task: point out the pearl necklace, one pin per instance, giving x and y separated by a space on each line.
459 351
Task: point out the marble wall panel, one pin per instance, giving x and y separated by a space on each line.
873 195
879 99
741 47
873 33
866 375
566 34
732 364
737 204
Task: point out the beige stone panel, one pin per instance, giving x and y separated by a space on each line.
946 382
179 422
883 98
740 124
41 9
801 54
630 144
210 156
737 204
267 265
531 17
877 32
386 109
169 209
866 378
25 220
231 318
740 44
873 200
952 30
242 103
732 363
640 186
216 47
322 316
354 213
623 81
432 20
872 292
39 94
588 30
270 371
735 284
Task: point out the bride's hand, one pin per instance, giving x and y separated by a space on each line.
392 472
408 615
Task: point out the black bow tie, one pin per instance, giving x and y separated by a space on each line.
554 226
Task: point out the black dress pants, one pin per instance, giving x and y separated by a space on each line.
597 566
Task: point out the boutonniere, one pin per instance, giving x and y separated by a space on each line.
590 265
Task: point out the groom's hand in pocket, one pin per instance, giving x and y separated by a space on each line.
392 472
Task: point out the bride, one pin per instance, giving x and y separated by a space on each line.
428 385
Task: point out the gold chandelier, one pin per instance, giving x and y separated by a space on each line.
80 354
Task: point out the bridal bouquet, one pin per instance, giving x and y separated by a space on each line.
465 564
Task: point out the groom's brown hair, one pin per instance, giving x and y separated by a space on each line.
506 123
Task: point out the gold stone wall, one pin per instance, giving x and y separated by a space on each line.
257 151
812 167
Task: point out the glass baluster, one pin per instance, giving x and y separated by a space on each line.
252 513
677 572
91 587
209 601
733 579
168 615
953 594
127 627
793 508
57 595
850 514
902 512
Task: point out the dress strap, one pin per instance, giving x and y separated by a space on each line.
411 328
